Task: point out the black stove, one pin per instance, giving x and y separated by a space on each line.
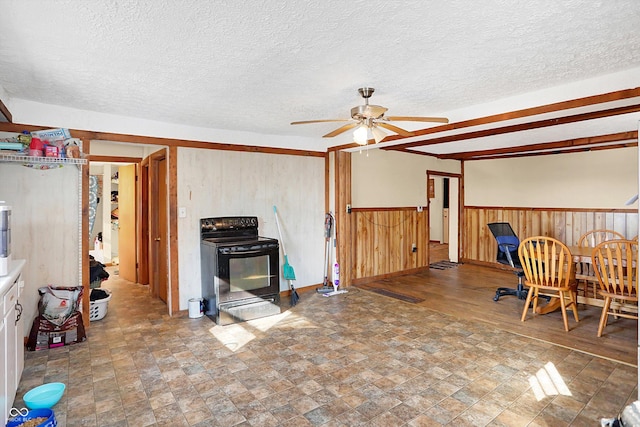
240 270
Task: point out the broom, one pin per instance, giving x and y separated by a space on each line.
287 269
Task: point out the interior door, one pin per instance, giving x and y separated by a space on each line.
158 228
127 220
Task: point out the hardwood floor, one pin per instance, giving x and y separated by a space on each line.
467 291
438 252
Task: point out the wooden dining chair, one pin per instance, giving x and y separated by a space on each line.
548 269
594 237
615 263
586 277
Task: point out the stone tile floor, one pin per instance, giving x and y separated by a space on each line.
353 359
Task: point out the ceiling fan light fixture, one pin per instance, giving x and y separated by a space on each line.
378 134
367 119
361 134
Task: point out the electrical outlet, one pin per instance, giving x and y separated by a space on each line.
182 212
419 208
348 209
414 248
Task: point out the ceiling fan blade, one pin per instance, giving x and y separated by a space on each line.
341 129
418 119
395 129
304 122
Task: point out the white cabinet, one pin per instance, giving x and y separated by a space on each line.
19 284
11 336
9 318
4 414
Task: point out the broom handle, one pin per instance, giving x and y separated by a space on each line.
275 212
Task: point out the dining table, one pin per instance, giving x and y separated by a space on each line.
581 255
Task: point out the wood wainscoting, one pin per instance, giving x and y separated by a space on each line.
382 240
566 225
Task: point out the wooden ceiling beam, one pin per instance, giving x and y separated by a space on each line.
528 112
4 112
521 127
567 151
560 146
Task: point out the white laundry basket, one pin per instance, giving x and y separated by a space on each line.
98 308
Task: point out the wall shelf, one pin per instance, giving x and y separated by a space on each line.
31 160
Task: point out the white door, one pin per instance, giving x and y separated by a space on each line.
453 219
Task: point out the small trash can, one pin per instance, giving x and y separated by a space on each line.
195 308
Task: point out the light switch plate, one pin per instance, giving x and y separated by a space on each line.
182 212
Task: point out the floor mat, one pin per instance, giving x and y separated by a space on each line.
396 295
443 265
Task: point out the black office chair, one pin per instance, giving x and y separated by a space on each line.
508 244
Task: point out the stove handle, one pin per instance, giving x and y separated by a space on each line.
241 252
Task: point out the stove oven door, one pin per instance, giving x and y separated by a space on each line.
246 272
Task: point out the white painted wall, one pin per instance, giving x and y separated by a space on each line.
595 179
382 178
120 149
226 183
45 227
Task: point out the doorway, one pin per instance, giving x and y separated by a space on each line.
113 229
151 229
443 195
118 218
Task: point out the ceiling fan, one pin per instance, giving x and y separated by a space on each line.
368 119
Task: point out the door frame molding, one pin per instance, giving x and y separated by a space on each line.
459 176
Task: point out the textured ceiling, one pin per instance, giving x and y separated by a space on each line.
256 66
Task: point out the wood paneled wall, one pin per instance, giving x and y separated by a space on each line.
382 241
566 225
